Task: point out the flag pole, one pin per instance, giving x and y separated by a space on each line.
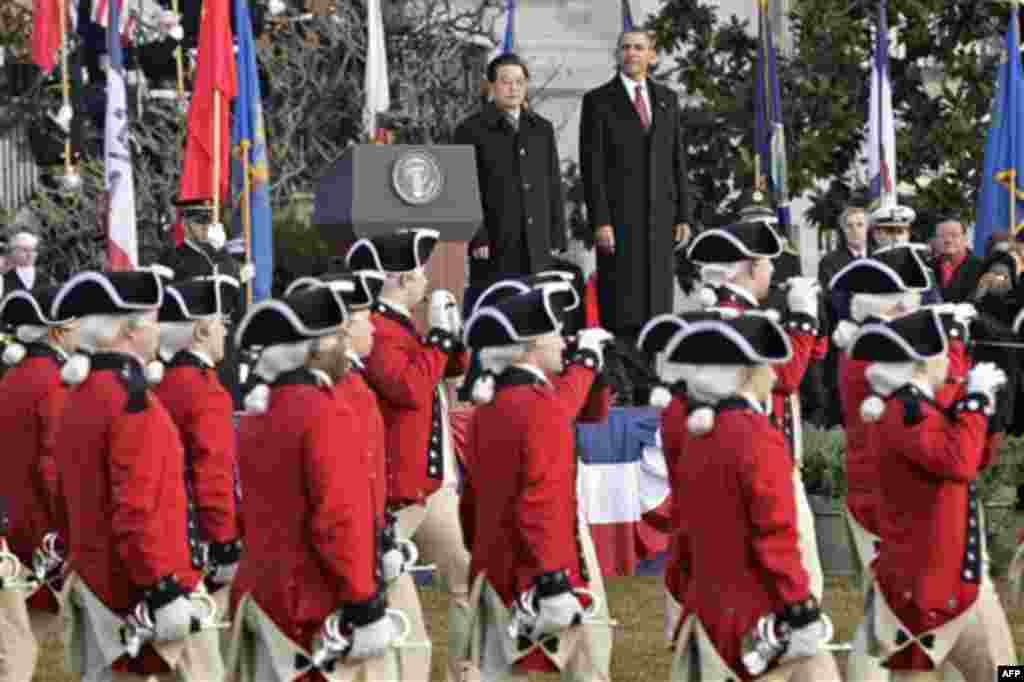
65 83
216 155
178 58
247 215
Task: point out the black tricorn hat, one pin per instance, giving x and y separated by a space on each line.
195 299
108 293
735 243
910 338
400 251
357 289
30 307
569 298
750 339
517 319
307 314
659 331
893 271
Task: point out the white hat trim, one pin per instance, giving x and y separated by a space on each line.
98 278
501 284
288 314
738 339
373 251
301 282
27 295
657 321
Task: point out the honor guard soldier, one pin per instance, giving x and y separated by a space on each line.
932 599
137 605
407 370
736 264
395 557
479 383
538 599
750 612
308 605
202 254
192 333
31 400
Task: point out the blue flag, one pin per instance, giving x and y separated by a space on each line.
769 131
627 17
1004 149
248 137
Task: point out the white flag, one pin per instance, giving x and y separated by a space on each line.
378 94
122 238
881 124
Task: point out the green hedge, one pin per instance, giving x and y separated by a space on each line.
824 474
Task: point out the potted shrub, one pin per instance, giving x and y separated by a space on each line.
824 478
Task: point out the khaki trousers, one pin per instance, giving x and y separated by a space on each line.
18 649
437 533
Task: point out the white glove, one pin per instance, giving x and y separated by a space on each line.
176 33
276 7
442 303
594 339
173 621
397 560
809 640
247 272
63 117
372 640
556 614
964 312
985 378
802 296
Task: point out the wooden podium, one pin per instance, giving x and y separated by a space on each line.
376 189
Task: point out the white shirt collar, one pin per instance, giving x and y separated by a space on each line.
203 357
742 293
355 359
632 85
27 274
322 378
534 370
923 387
397 307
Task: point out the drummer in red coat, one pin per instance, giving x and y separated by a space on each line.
359 290
407 370
519 507
308 573
932 599
31 399
192 336
749 607
122 505
736 265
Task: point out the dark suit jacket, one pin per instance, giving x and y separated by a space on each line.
635 181
13 283
520 190
964 282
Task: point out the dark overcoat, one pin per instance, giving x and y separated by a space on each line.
520 190
634 180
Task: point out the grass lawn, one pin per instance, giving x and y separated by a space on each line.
639 654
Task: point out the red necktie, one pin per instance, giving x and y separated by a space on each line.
641 107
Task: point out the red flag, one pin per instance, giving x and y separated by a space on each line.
178 229
215 73
46 29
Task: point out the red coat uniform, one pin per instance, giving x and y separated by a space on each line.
738 536
31 399
404 369
354 391
673 443
929 563
122 505
202 410
518 506
802 331
122 472
862 457
309 545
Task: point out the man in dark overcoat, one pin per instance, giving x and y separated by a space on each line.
633 161
520 181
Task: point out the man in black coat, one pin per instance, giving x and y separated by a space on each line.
520 181
633 162
956 270
202 254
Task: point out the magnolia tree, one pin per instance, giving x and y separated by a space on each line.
313 65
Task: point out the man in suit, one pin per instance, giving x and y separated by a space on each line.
520 181
956 270
633 162
23 254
